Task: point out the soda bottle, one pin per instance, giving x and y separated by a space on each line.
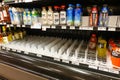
70 15
93 19
103 18
63 15
44 16
78 15
56 15
50 15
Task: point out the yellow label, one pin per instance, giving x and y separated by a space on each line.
16 36
5 40
10 37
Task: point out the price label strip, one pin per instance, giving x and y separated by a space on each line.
101 28
111 29
93 66
75 62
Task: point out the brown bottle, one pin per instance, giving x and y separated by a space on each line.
6 14
1 14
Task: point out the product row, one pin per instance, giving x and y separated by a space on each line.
94 51
7 34
60 15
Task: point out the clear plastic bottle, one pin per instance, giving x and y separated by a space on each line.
50 15
63 15
70 15
44 16
78 15
56 15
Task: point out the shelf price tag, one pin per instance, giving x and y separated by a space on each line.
63 27
102 28
66 61
75 62
45 27
14 50
28 1
11 25
8 25
56 59
39 55
36 26
18 25
26 52
72 27
104 69
23 25
114 71
19 51
3 47
111 29
7 48
93 66
53 27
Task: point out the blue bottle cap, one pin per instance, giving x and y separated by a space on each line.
78 5
70 5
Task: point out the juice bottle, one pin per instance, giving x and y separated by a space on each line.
1 40
103 18
25 17
29 17
93 19
56 15
50 15
6 14
4 35
101 48
9 34
93 42
78 15
1 13
63 15
70 15
11 15
44 16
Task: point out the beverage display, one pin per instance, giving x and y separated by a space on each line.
56 15
78 15
70 15
103 18
63 15
93 19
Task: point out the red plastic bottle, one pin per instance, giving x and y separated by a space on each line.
93 19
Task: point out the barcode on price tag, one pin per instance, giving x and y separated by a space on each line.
56 59
72 27
63 27
66 61
111 29
53 27
102 28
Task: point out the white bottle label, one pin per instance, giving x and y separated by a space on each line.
44 18
56 18
50 18
62 17
4 13
5 39
1 15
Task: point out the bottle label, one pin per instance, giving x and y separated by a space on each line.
44 18
1 15
62 17
56 18
5 39
77 19
70 17
4 13
25 19
50 18
11 16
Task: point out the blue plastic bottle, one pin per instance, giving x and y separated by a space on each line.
78 15
103 19
70 13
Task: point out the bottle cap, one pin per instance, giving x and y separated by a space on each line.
63 6
78 5
70 5
93 35
56 7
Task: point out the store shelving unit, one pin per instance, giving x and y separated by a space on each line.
54 68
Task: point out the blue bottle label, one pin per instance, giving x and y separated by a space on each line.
70 17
